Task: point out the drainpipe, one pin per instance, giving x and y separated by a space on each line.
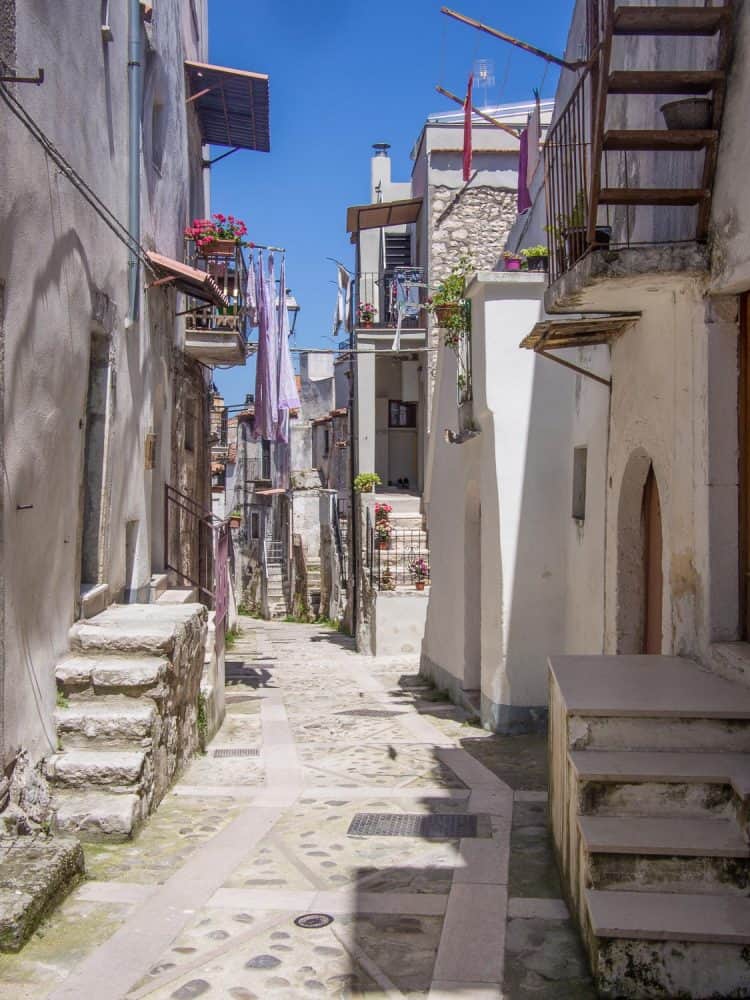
135 98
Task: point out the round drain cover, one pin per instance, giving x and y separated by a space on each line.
312 920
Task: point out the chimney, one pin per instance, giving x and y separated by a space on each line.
380 171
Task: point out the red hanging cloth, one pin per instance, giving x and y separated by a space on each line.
467 129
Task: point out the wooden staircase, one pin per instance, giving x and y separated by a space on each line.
657 21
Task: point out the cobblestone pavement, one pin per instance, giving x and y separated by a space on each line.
203 902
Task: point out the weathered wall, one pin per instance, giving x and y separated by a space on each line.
65 279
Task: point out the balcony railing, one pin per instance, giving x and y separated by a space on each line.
392 290
229 271
258 470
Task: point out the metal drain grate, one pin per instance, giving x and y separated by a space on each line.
372 713
236 752
310 921
414 825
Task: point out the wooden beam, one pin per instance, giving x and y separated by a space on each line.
475 111
531 49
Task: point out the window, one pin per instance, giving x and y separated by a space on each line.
326 441
189 427
401 414
255 524
265 461
579 483
397 250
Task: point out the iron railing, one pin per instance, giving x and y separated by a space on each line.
189 538
399 562
339 539
401 288
258 470
229 271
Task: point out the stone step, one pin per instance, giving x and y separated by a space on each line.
113 721
666 873
665 767
152 629
669 944
658 734
158 583
660 835
78 768
178 595
131 675
669 916
97 816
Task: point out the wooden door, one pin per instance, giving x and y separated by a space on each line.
652 565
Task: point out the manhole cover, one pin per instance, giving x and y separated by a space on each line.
236 752
312 920
414 825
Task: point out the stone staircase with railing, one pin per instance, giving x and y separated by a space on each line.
127 715
275 604
650 812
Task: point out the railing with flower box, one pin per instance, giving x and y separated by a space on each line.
395 557
381 295
218 334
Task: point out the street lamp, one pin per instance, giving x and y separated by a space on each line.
293 308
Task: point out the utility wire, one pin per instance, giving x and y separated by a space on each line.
90 196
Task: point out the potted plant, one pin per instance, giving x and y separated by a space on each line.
383 529
688 113
387 581
366 312
448 302
537 257
219 235
512 261
420 571
235 518
365 482
569 233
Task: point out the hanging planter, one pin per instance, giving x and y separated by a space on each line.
218 248
688 113
447 315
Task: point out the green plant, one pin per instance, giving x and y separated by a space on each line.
61 700
365 482
563 223
230 637
236 513
456 321
538 251
202 722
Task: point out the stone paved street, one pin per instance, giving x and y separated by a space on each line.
203 902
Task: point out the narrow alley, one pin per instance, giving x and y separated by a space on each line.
342 789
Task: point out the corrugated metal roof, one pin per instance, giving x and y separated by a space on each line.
231 105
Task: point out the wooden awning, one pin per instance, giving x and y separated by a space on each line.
231 104
186 279
583 330
383 213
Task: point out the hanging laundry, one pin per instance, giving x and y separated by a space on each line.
251 293
406 284
342 315
534 135
267 365
288 398
524 198
467 128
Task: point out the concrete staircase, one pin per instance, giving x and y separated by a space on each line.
126 716
650 812
276 589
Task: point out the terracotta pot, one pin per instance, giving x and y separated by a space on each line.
234 522
382 545
445 314
220 248
419 584
366 323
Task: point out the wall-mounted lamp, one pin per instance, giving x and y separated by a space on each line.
293 307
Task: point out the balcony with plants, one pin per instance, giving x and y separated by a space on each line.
217 333
382 296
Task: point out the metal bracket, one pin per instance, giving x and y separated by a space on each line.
575 368
38 79
209 163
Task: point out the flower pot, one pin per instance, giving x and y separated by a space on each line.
381 544
538 263
218 248
512 263
447 313
366 323
234 522
419 584
688 113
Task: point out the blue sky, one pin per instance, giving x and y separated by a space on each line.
344 74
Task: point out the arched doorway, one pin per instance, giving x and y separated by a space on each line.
640 582
653 583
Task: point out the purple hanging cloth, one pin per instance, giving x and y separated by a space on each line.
288 398
267 365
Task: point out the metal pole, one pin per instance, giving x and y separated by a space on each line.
135 97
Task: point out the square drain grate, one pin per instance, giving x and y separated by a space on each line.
236 752
438 826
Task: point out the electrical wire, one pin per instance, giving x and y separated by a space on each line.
87 193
